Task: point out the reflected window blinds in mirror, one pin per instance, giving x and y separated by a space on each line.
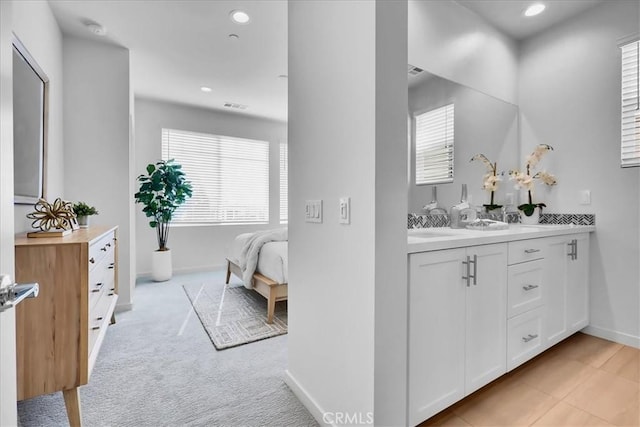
29 126
434 145
630 132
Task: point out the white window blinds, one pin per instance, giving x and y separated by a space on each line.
630 144
230 177
284 182
434 146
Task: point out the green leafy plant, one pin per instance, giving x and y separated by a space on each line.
162 190
83 209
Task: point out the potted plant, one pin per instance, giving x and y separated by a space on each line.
162 190
489 181
526 181
83 211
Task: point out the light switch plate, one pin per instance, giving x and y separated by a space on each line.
313 211
344 214
585 197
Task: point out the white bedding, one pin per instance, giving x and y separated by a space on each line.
272 261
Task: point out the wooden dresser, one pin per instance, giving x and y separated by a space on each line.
60 332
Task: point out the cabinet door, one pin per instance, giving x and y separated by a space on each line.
578 285
555 288
486 317
436 332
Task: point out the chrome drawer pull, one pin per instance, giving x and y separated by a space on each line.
530 287
92 261
531 251
104 248
95 290
111 266
529 337
95 328
111 294
108 245
99 318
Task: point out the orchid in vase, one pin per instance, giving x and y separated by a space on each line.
525 180
490 180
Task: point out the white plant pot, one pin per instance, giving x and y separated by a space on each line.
530 220
161 266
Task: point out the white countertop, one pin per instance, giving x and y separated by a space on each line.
436 238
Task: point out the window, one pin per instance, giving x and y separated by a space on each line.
284 182
230 177
434 146
630 132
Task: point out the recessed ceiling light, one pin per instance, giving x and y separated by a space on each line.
234 36
96 28
239 17
534 9
205 89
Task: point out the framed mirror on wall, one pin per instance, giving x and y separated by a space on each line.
30 126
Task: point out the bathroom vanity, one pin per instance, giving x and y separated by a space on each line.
481 303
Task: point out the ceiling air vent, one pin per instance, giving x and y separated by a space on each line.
234 105
413 70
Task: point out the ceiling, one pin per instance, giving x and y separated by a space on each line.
178 46
508 17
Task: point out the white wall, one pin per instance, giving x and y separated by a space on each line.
199 247
35 26
570 98
96 149
453 42
347 134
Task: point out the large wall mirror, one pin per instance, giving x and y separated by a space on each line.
30 99
483 124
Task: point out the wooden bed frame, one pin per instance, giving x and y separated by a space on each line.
268 288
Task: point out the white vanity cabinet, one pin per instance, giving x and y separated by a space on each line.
457 324
567 291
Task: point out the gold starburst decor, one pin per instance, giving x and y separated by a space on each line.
47 216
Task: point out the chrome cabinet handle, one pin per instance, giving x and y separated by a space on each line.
529 337
530 287
104 249
574 249
95 328
475 269
531 251
108 245
468 276
92 261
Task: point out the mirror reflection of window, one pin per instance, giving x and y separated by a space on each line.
434 145
29 126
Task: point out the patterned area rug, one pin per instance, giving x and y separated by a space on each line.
233 315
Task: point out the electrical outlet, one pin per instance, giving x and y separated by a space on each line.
585 197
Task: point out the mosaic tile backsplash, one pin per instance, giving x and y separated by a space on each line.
442 220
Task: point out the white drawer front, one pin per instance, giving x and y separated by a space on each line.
526 250
525 287
524 337
100 248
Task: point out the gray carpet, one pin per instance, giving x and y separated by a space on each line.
233 315
157 367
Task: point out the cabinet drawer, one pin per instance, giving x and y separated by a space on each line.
100 316
525 287
101 277
524 337
100 248
526 250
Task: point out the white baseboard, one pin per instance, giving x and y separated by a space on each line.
123 307
611 335
185 270
305 398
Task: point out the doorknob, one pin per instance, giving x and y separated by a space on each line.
11 294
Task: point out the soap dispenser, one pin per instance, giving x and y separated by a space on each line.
433 207
462 213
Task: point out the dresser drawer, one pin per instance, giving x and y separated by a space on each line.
99 249
524 337
525 290
526 250
100 316
101 277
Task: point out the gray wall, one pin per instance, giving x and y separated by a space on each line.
96 148
570 98
198 247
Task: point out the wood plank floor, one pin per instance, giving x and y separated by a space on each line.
583 381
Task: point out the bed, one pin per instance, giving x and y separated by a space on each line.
260 260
